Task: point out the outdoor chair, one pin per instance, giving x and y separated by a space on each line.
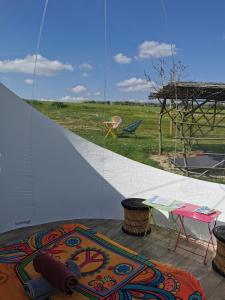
130 129
116 122
112 126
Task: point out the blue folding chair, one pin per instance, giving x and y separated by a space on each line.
130 129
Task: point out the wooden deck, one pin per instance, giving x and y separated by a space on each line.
154 246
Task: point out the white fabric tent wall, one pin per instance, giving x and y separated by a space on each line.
135 179
43 178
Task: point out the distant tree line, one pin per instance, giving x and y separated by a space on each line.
62 104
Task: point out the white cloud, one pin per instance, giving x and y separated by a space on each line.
73 99
85 66
136 85
29 81
47 99
122 59
136 100
78 89
84 74
26 65
65 99
149 49
96 93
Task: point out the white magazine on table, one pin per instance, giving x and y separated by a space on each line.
160 200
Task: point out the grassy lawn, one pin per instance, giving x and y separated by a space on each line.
86 120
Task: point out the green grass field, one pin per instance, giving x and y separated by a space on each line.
86 119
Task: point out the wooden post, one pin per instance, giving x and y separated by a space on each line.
163 105
160 133
171 121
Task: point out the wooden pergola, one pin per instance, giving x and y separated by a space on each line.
195 109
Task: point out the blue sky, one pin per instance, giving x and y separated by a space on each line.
71 59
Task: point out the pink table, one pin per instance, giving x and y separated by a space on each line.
188 211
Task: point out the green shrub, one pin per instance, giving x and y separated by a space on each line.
58 104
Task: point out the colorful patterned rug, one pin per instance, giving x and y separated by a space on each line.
109 270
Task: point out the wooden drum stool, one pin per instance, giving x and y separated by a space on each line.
136 217
218 262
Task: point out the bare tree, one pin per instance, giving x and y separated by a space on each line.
163 74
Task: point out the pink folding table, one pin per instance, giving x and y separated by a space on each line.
188 211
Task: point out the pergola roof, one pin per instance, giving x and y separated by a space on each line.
185 90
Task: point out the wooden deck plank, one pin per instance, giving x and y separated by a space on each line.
154 246
218 292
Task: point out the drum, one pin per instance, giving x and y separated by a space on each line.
136 217
218 262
